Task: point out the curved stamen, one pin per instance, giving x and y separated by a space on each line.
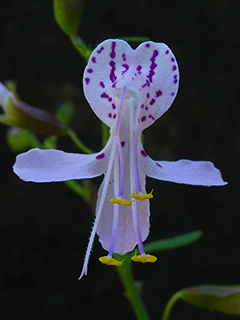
105 186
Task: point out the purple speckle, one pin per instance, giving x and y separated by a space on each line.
113 54
146 84
146 108
124 57
143 118
100 156
100 50
113 106
112 76
174 68
173 94
87 80
102 84
126 66
147 45
158 93
104 95
142 106
143 153
122 143
148 95
152 102
139 68
175 81
109 99
114 116
167 52
90 70
153 65
94 60
158 165
151 117
110 115
172 59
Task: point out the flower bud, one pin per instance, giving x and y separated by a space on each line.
19 114
68 14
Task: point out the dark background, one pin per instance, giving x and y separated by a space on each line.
44 228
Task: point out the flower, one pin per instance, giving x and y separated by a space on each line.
128 90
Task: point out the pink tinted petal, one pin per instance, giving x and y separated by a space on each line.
202 173
4 92
53 165
149 73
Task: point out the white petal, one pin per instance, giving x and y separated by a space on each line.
150 74
202 173
53 165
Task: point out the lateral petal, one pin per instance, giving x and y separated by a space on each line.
54 165
199 173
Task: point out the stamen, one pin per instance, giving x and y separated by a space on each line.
144 258
142 196
110 261
121 202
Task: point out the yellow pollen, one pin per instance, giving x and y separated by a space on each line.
143 258
142 196
121 201
109 261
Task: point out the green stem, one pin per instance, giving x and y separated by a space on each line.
105 134
78 142
80 45
76 187
170 304
126 275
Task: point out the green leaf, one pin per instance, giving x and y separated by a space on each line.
175 242
20 140
135 39
222 298
65 112
68 14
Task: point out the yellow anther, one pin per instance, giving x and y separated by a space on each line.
121 201
110 261
142 196
143 258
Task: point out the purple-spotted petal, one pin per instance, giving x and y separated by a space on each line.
199 173
149 73
54 165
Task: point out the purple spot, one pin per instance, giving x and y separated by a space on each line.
146 84
143 153
102 84
90 70
109 99
104 95
113 106
152 102
167 52
122 143
112 76
114 116
110 115
100 156
94 60
113 54
173 94
147 45
124 57
174 68
158 165
139 68
153 65
143 118
175 81
126 66
146 108
158 93
175 76
151 117
172 59
148 95
142 106
100 50
87 80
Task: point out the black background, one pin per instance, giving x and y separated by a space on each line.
44 228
